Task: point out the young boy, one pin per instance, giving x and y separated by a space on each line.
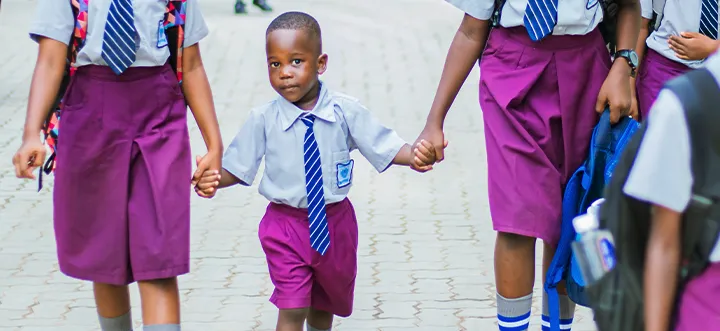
309 232
665 153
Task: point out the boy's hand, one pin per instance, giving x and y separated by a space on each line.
692 46
425 156
207 181
616 92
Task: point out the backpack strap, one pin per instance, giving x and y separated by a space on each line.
174 22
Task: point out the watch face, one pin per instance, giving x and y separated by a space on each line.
634 59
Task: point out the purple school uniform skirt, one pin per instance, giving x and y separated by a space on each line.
654 72
538 103
122 184
699 308
302 277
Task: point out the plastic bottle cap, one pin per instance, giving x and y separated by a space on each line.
585 223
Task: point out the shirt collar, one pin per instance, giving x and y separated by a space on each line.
324 109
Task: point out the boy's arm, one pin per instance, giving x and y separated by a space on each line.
661 267
465 50
199 97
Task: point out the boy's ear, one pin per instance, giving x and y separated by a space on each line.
322 63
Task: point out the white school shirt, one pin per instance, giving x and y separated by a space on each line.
575 17
54 19
275 131
678 16
662 173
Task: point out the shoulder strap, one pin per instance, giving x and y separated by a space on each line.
174 22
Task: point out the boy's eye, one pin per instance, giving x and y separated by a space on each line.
274 64
296 61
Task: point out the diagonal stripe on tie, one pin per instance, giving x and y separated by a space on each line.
317 219
118 49
709 18
540 18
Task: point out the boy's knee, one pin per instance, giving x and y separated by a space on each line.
514 241
319 320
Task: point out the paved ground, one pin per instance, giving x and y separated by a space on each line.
426 240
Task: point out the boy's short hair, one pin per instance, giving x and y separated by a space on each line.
295 20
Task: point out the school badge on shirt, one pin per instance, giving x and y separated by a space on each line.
161 37
344 173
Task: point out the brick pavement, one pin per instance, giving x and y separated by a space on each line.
425 240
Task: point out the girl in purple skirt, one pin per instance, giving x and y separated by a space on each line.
665 153
686 36
123 177
545 72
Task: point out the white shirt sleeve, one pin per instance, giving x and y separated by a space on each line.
480 9
195 27
244 154
53 19
377 143
662 172
646 8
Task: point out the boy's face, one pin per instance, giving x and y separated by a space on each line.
294 64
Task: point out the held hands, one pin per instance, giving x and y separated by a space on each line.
207 175
692 46
424 156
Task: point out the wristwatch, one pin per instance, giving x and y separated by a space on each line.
631 57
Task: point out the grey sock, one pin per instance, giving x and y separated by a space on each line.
161 327
514 314
120 323
311 328
567 309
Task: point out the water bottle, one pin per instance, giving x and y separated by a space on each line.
594 248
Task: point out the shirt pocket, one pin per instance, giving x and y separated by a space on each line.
342 172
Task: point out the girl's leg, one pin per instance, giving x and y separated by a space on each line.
291 319
514 279
160 304
319 320
113 306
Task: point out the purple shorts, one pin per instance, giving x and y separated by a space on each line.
302 277
122 184
538 103
699 309
654 72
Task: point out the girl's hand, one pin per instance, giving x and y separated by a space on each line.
208 184
434 136
208 163
424 156
615 91
29 156
692 46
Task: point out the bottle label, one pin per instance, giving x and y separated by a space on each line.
607 252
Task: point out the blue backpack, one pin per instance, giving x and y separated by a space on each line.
584 186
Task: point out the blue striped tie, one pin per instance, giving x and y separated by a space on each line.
540 18
709 18
118 48
319 234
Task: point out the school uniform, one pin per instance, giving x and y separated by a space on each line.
277 131
660 63
121 194
666 153
538 103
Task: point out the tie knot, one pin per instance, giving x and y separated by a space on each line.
308 119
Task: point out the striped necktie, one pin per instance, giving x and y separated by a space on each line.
540 18
709 18
319 234
118 48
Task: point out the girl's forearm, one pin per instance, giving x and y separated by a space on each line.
199 97
661 268
464 52
47 77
